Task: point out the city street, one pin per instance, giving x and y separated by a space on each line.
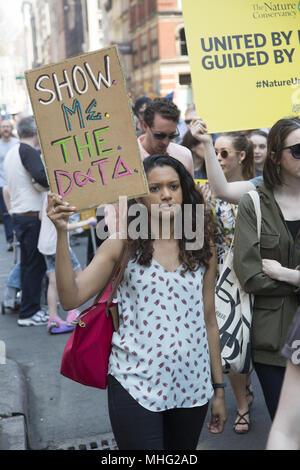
63 414
104 101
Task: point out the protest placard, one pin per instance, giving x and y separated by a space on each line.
86 129
244 58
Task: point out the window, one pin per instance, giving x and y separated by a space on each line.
144 47
185 79
183 45
152 7
135 54
141 11
108 5
153 44
132 17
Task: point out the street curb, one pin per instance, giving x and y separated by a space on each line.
13 434
13 407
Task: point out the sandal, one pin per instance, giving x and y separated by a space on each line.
242 420
56 325
249 394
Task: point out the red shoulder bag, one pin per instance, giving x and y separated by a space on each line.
86 354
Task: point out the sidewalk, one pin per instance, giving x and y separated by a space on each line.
13 407
13 399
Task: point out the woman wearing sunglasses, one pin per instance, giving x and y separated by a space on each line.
220 186
276 301
236 160
281 188
230 190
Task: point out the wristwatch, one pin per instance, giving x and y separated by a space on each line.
219 385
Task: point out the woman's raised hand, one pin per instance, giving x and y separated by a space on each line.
198 130
59 211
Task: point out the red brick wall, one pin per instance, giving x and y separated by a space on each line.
166 5
166 39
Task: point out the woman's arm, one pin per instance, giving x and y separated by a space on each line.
231 192
247 261
285 430
274 270
218 411
75 291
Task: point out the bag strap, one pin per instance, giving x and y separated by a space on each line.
233 210
116 276
121 266
256 202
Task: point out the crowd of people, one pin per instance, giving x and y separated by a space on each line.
165 362
24 201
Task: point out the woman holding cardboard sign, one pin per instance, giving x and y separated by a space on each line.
165 360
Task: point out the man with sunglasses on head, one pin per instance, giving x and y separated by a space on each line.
161 118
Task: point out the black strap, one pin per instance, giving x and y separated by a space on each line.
115 278
242 420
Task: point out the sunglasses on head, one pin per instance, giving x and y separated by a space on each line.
223 153
163 135
295 150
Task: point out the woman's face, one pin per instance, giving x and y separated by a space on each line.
290 166
231 161
165 193
260 149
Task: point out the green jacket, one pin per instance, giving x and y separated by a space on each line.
275 302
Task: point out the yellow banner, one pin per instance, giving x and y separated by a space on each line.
84 215
245 58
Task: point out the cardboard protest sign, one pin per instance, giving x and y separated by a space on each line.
86 129
244 59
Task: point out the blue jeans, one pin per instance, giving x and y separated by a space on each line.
7 222
33 265
14 277
50 262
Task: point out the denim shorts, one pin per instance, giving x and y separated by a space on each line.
50 261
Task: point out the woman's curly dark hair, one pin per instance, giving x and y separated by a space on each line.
142 249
